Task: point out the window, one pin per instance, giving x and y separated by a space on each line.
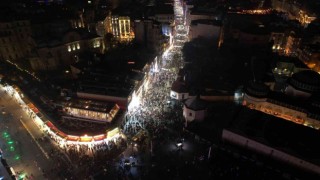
190 114
78 46
96 44
73 47
69 48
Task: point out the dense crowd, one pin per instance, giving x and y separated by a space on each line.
88 160
154 109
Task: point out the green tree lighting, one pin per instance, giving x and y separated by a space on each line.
16 157
22 176
5 135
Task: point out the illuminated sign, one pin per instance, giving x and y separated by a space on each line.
113 132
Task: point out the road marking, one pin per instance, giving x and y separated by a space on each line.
42 150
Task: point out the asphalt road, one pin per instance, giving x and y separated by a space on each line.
18 139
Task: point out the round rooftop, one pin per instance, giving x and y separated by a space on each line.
257 89
306 80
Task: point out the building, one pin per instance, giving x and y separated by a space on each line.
298 10
91 110
299 103
310 55
303 84
112 91
119 27
293 43
118 84
279 40
149 33
254 34
52 52
77 21
284 70
275 138
196 15
194 109
205 28
15 38
164 14
179 90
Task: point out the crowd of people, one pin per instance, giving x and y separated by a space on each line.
152 112
86 160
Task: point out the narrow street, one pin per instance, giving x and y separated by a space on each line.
155 113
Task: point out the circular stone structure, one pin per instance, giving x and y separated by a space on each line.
306 81
257 89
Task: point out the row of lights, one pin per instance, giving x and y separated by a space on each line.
73 47
18 67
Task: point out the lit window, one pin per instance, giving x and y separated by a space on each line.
97 44
73 47
78 46
69 48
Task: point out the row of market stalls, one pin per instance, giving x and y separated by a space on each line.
85 139
48 127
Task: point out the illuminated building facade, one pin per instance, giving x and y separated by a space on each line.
54 53
119 26
194 109
92 110
302 85
293 42
310 55
61 135
279 41
296 10
77 22
304 18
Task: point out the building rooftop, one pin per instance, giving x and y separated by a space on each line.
206 21
90 105
57 39
309 106
257 29
257 89
164 9
307 80
195 104
179 87
296 139
115 86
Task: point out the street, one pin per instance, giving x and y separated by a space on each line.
18 140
